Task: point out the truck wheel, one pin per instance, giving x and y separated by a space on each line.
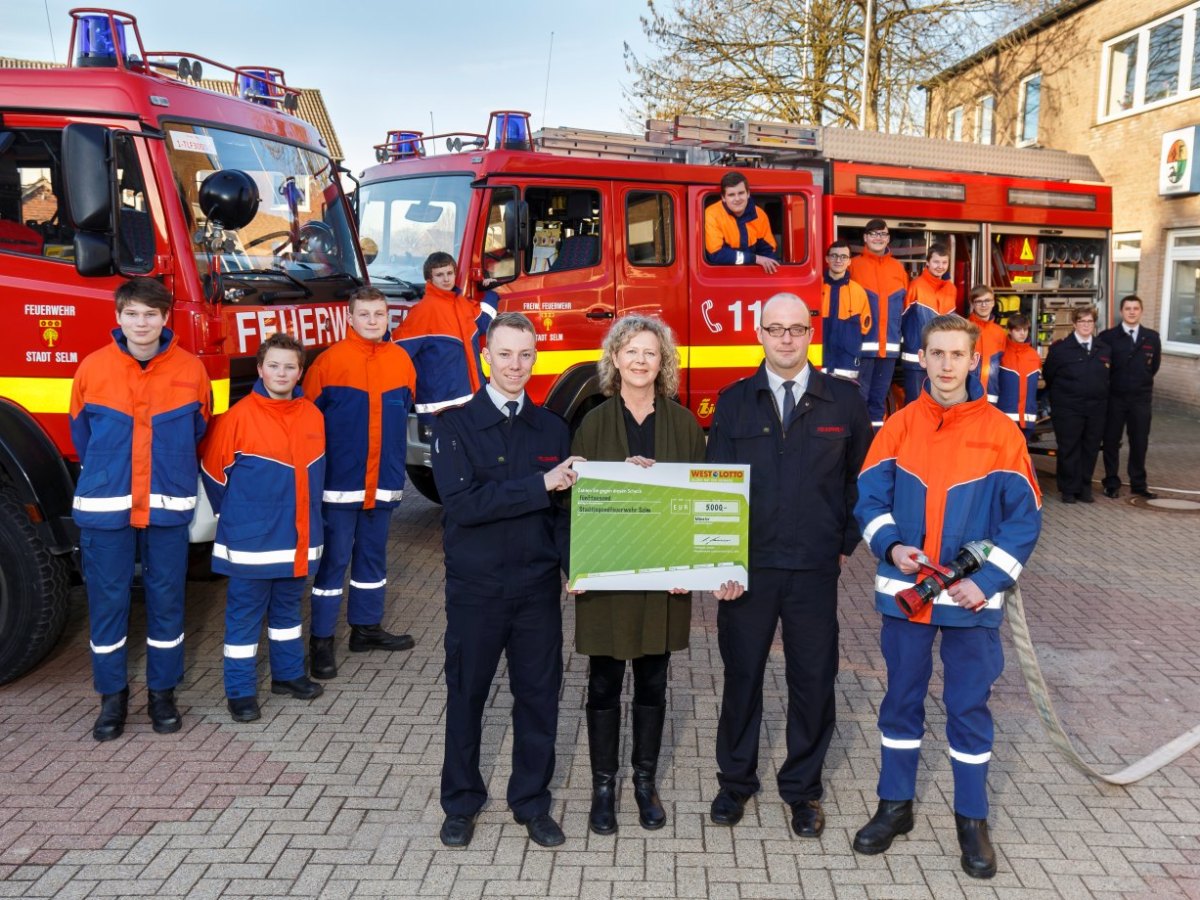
422 480
33 592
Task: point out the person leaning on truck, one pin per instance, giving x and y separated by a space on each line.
736 231
139 407
885 281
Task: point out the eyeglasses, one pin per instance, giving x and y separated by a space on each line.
837 256
1085 321
776 331
884 233
983 301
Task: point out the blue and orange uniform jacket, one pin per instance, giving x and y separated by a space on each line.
992 341
136 431
442 334
364 389
845 318
264 468
886 283
927 298
731 240
937 478
1017 382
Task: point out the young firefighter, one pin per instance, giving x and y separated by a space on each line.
885 281
946 470
845 315
929 296
364 386
139 407
442 336
1017 379
992 338
263 468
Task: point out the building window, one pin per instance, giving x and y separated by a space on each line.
1031 103
1127 255
954 124
1155 64
1181 291
985 116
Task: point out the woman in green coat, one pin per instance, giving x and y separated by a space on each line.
640 424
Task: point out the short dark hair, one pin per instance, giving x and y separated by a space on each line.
1132 298
733 179
438 260
149 291
939 248
1017 320
1080 312
838 244
950 322
515 320
366 292
280 340
875 225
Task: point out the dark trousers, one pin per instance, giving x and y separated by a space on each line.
875 380
528 631
806 602
914 380
356 538
606 675
1078 436
1127 413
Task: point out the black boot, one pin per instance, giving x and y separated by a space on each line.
373 637
978 857
892 818
164 714
322 660
604 743
110 724
647 739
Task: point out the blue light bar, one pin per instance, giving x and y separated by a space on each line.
405 144
512 132
257 86
96 44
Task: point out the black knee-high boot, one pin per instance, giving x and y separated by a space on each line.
647 740
604 742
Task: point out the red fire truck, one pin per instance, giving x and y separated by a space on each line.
122 164
578 227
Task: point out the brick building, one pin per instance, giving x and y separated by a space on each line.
1119 82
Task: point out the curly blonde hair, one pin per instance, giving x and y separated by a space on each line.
621 333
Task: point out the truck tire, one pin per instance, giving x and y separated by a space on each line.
422 479
33 592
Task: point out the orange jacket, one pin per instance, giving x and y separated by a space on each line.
442 335
928 297
735 241
886 283
1017 380
992 339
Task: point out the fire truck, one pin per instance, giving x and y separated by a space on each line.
122 164
575 228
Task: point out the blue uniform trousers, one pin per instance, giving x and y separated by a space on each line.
528 630
875 380
247 602
914 380
356 538
108 561
972 660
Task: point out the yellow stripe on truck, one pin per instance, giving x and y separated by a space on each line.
220 390
53 395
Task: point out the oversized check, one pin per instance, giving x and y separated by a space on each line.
673 525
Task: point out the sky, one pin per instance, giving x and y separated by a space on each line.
388 65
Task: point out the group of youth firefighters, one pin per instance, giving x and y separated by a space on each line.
305 471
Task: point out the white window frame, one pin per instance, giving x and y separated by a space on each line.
1142 33
988 102
1170 257
1021 140
954 124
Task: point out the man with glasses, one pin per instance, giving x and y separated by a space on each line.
805 435
845 315
992 340
885 281
1077 375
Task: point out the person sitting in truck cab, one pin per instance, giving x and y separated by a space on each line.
736 231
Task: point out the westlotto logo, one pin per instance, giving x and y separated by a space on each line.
716 475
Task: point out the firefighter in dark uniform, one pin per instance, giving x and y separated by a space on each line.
1077 375
497 461
1136 356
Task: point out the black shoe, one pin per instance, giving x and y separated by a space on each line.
300 688
978 857
373 637
110 724
808 819
544 831
727 807
164 714
1113 493
1147 495
647 741
243 709
322 661
1068 498
604 739
1086 497
892 818
457 831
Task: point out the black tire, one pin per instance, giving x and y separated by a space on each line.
422 480
34 585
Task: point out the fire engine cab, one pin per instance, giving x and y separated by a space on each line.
121 164
575 228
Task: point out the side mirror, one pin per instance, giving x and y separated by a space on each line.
90 180
93 254
229 199
516 225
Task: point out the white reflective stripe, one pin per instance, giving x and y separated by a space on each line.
892 347
741 258
910 357
260 557
845 373
284 634
878 424
103 504
1013 416
387 496
109 648
163 501
893 586
900 743
241 651
327 592
441 404
1007 564
488 308
992 398
344 496
870 345
875 524
1030 417
974 759
164 645
367 585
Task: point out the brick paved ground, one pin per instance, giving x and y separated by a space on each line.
339 797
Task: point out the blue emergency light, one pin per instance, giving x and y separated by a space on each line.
406 144
512 131
97 46
257 86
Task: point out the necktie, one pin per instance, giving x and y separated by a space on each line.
511 406
789 402
1133 335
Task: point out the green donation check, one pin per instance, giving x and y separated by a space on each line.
673 525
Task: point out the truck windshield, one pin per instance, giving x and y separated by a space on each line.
404 220
301 229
